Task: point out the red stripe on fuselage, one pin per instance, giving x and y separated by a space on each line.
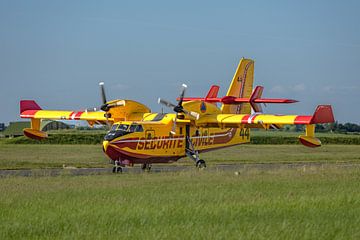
245 119
71 115
227 136
78 115
126 157
128 142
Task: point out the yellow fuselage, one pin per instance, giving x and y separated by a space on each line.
150 141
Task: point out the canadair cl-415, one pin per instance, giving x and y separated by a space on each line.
139 136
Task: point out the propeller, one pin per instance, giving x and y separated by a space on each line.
105 106
178 108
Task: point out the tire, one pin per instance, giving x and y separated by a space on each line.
201 164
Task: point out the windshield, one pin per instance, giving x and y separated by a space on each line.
123 127
117 130
113 128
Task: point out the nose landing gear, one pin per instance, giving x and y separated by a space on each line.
117 167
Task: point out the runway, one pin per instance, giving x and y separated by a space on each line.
236 168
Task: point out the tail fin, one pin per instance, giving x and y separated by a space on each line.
213 92
241 87
28 105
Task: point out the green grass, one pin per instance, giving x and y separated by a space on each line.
280 204
254 153
16 156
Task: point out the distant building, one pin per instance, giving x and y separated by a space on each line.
2 127
15 129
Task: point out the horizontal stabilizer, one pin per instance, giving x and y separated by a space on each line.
255 98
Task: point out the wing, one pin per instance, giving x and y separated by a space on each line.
322 114
30 109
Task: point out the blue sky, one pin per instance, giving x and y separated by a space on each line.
56 52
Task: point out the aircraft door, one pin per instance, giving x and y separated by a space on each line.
149 134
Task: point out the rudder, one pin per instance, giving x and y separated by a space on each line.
241 87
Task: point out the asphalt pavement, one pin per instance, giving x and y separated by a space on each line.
236 168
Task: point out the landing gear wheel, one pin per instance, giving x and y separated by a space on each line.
146 167
117 167
201 164
117 170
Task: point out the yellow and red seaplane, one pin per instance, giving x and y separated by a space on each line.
138 136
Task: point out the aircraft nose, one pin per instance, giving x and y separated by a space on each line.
105 145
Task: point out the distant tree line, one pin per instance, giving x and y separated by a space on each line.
338 127
327 127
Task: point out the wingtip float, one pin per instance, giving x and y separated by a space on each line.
138 136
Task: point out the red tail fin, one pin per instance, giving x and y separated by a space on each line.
323 114
213 92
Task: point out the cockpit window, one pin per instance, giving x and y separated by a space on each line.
136 128
118 130
113 128
123 127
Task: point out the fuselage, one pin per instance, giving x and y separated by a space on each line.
151 140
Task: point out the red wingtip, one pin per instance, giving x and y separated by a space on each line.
323 114
28 105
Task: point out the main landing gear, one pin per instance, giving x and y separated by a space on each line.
117 167
194 154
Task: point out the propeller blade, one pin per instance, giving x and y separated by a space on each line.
107 115
182 94
115 104
178 108
166 103
94 109
173 130
192 114
102 90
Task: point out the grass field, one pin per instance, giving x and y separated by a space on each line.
312 203
17 156
278 204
